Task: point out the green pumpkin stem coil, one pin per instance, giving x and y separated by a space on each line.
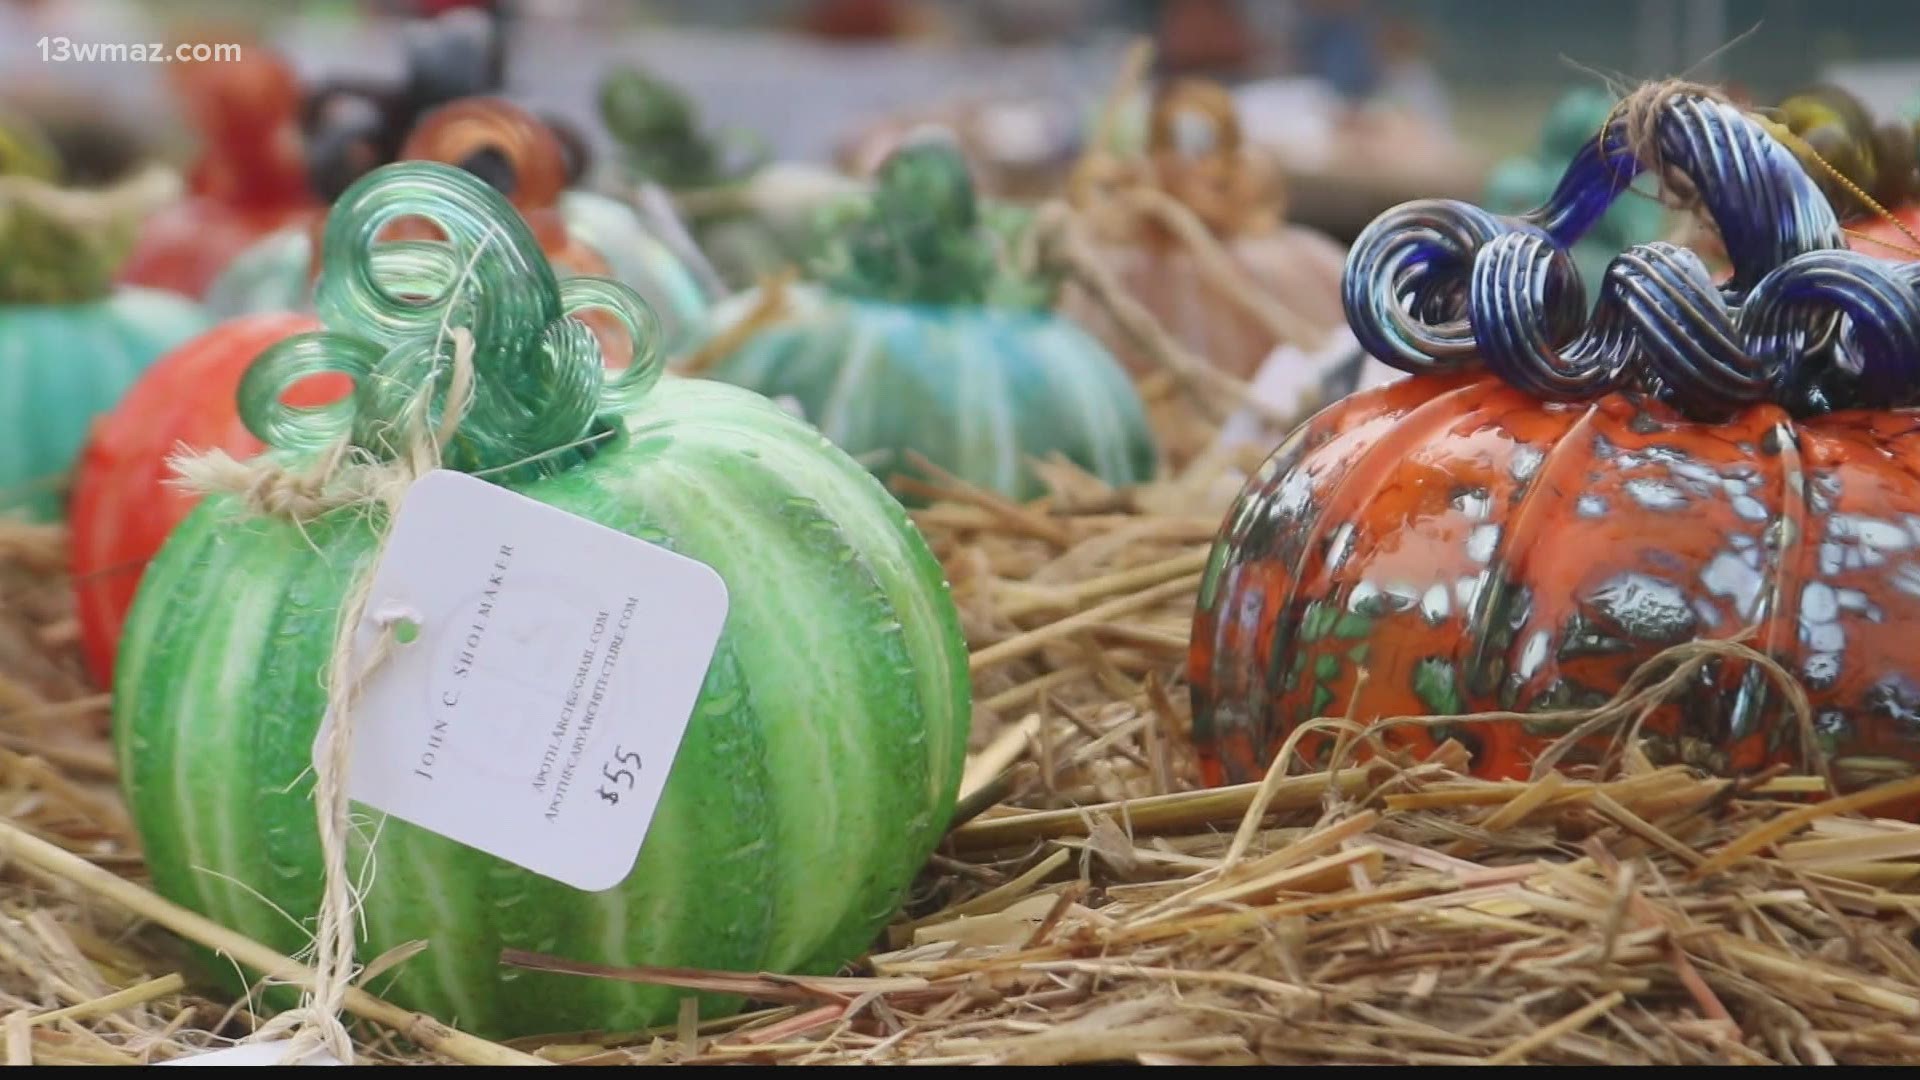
923 238
655 125
539 380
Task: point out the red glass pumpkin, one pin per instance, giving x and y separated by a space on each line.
250 178
122 508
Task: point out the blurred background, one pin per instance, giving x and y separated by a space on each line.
809 79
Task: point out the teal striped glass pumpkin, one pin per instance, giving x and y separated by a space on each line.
823 755
70 345
917 339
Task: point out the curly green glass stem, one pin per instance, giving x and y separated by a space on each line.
539 380
655 126
920 239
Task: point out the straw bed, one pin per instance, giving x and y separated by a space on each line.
1090 904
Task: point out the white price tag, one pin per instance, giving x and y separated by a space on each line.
260 1053
536 714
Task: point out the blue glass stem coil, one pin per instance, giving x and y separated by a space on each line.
1440 285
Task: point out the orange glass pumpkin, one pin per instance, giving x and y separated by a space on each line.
1474 549
1882 239
1553 498
122 507
249 181
1232 191
516 152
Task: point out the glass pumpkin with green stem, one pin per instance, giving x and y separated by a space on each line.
915 335
822 758
70 341
750 216
581 232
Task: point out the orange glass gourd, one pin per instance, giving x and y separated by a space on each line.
484 135
122 507
519 154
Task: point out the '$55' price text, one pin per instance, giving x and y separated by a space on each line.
619 771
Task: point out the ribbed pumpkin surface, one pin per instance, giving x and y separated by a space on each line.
123 508
61 365
818 770
977 390
1472 549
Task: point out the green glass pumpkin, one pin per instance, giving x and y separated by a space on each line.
821 762
916 339
70 342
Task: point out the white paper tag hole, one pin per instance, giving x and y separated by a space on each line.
402 622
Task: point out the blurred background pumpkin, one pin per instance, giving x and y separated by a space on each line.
915 337
249 179
1197 166
520 155
123 506
70 340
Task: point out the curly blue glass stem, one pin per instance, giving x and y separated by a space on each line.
1439 285
539 380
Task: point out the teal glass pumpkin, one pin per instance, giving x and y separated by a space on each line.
823 755
271 275
915 338
70 344
640 260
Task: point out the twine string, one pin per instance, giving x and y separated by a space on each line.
316 1023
